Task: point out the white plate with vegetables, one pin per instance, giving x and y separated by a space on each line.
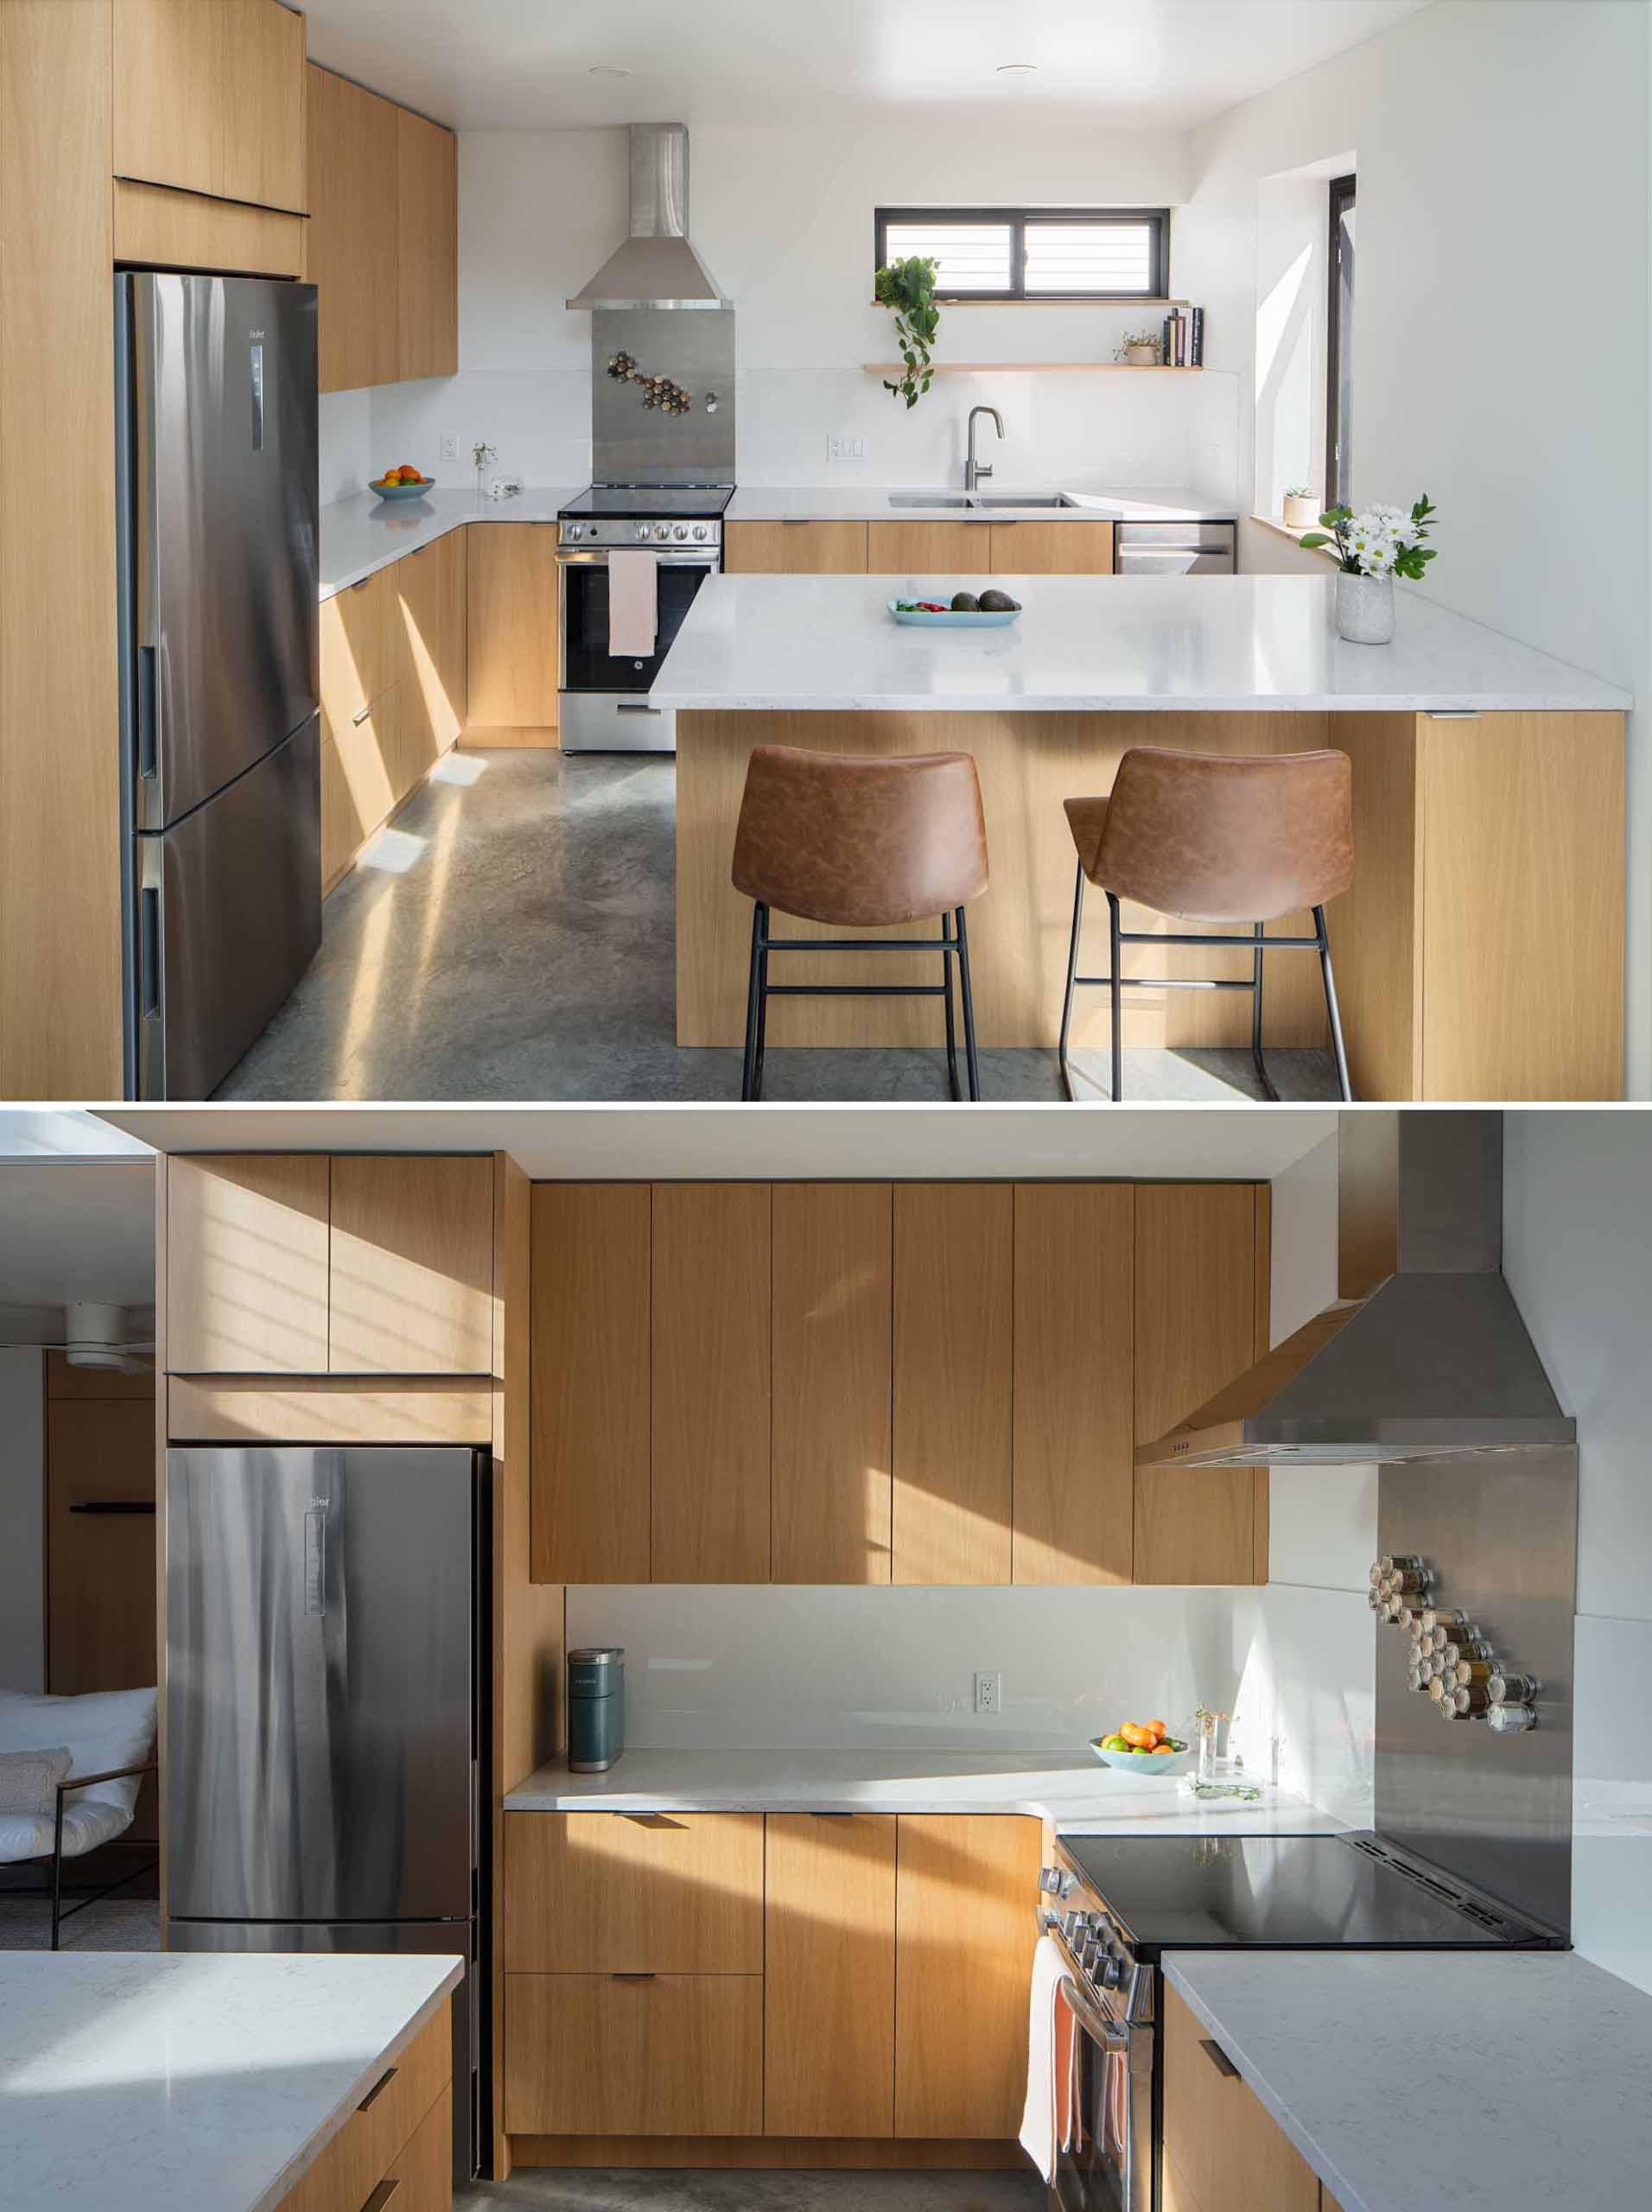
966 610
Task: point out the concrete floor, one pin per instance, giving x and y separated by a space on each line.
566 2190
508 936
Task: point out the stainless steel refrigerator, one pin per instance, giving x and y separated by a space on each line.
216 458
327 1702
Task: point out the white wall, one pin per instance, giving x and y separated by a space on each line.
1503 170
1578 1254
23 1521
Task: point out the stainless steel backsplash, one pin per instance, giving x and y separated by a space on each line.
632 444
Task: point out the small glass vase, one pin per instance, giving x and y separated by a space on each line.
1364 609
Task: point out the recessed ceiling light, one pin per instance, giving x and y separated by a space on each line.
1018 68
607 69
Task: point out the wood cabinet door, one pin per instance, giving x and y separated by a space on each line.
953 1275
422 2171
832 1486
656 1893
829 1975
360 781
512 649
246 1275
427 193
1197 1326
787 548
1052 549
168 119
1227 2152
929 549
649 2055
1075 1297
262 99
588 1399
357 628
966 1892
412 1265
426 615
711 1367
352 248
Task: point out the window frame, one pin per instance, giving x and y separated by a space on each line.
1344 194
1017 219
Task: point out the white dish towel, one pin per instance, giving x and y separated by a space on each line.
1047 2122
634 621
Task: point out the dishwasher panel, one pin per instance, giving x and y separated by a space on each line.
1174 548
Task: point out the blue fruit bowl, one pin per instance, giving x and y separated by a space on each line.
1155 1763
403 491
952 618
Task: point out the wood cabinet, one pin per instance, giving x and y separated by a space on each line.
513 654
1075 1353
829 1969
965 1928
953 1301
1200 1319
426 619
589 1407
427 233
296 1264
353 239
831 1298
795 548
1224 2151
401 2131
209 98
929 549
633 2055
358 780
710 1370
608 1893
1052 549
358 649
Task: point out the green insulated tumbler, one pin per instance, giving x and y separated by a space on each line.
596 1708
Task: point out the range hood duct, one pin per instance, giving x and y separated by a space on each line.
1424 1355
656 267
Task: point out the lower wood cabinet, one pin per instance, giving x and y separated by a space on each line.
795 548
1223 2151
1052 549
654 2053
427 619
829 1975
513 654
401 2133
674 1893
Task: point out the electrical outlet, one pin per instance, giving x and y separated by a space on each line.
989 1692
449 449
841 447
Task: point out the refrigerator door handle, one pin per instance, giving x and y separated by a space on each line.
316 1556
256 350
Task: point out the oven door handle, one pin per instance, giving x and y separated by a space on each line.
1111 2034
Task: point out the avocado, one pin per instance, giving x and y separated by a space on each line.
997 602
965 602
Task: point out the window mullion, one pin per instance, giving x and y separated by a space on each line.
1018 258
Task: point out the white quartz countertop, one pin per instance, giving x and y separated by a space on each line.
130 2083
1095 645
1080 1796
1533 2093
871 503
362 535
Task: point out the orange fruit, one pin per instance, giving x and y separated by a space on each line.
1163 1751
409 474
1156 1726
1136 1738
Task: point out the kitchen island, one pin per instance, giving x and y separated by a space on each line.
1479 954
226 2084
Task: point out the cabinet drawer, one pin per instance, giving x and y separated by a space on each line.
385 2130
358 772
423 2168
357 660
1224 2148
669 1893
1052 549
795 548
659 2055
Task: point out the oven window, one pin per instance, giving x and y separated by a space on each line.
588 665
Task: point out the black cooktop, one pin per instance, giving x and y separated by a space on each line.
1286 1892
665 502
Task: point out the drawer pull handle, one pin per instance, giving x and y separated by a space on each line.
378 2089
1219 2059
362 583
633 1977
359 718
382 2195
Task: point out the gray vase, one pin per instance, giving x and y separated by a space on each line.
1364 609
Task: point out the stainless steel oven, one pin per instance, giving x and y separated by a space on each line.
605 707
1106 2162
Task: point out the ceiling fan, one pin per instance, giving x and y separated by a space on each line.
96 1336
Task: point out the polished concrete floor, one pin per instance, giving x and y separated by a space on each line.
565 2190
510 936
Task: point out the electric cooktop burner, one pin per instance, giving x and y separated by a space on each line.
670 502
1285 1892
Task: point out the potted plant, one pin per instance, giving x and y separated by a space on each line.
1301 508
1372 548
908 286
1139 349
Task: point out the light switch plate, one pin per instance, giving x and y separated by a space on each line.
841 446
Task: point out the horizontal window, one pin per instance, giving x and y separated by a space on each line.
1032 253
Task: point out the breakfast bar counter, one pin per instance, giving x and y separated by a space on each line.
1479 953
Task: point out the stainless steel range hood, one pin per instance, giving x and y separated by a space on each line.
1424 1356
656 267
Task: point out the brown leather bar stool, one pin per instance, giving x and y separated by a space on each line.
1209 837
860 841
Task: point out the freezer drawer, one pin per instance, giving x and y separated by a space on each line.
227 917
1174 548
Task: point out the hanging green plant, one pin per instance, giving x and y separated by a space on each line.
908 286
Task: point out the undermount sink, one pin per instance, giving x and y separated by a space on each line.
1009 499
930 499
978 499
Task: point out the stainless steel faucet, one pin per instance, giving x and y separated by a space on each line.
974 470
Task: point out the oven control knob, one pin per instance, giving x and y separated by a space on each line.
1112 1973
662 530
682 531
642 530
699 530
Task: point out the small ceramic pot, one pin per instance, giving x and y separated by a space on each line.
1142 357
1301 510
1364 609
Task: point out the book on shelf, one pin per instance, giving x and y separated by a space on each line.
1183 338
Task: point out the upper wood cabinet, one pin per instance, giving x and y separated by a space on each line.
795 548
1224 2151
209 98
828 1976
296 1264
831 1313
512 653
953 1300
1201 1318
1074 1432
427 219
710 1368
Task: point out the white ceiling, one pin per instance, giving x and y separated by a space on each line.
892 1143
73 1230
524 64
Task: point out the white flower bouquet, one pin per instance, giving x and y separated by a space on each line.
1378 541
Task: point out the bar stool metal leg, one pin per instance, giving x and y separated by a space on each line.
1344 1086
748 1073
1072 972
951 1033
1262 1076
1117 983
970 1060
762 1002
